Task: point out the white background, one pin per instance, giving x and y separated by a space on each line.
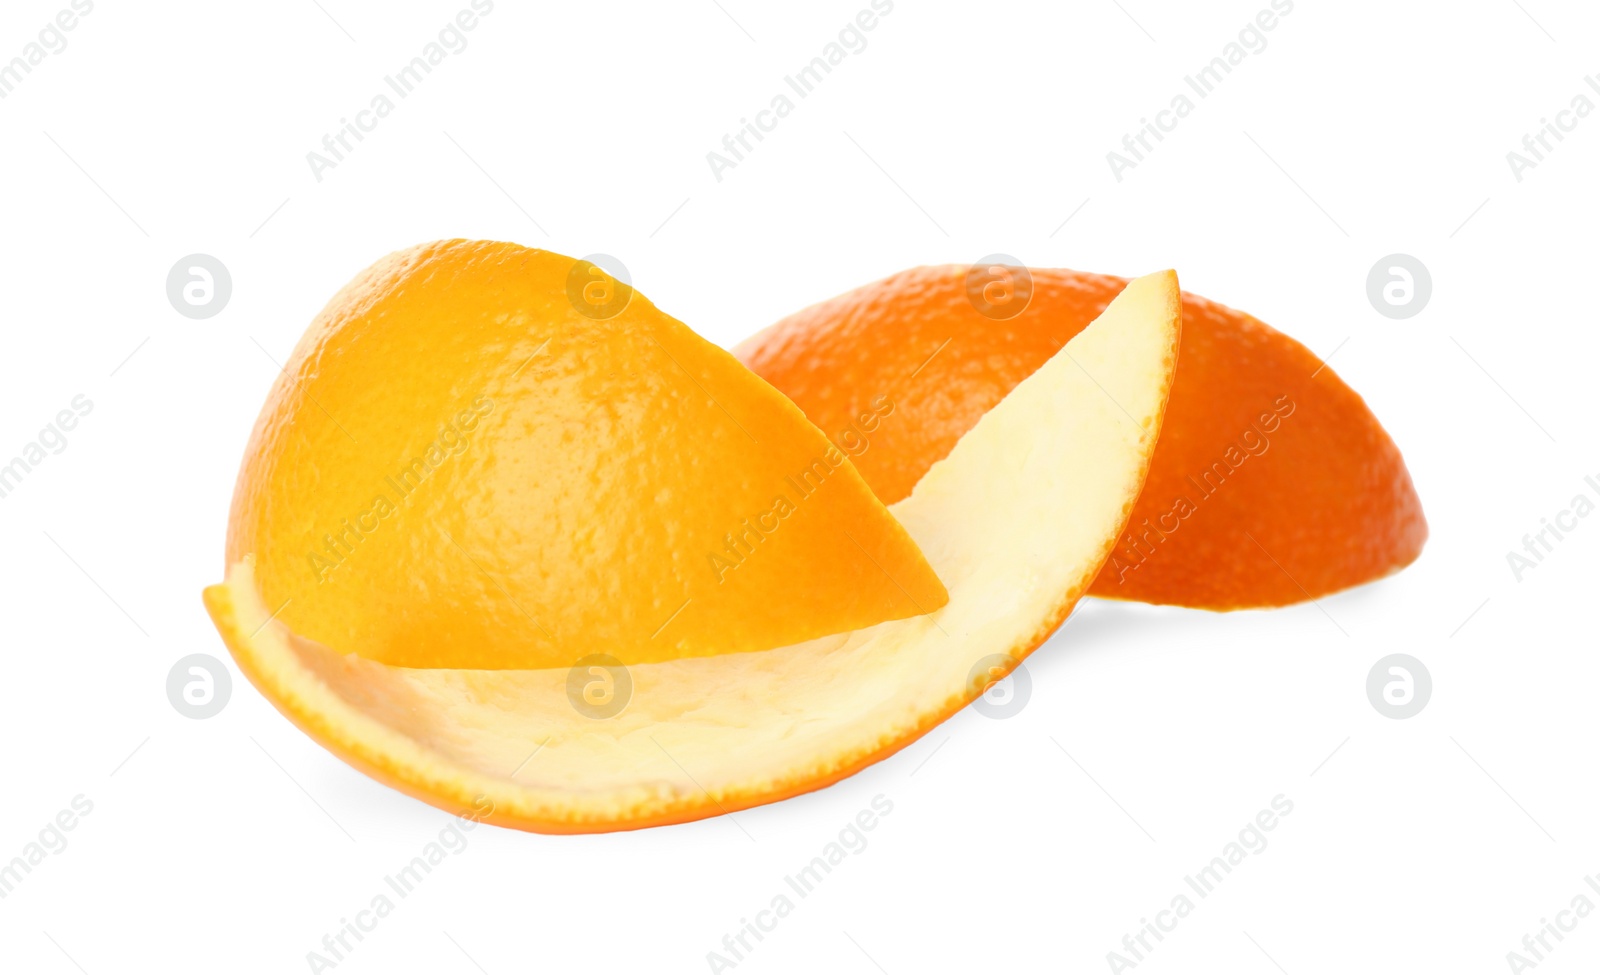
1364 128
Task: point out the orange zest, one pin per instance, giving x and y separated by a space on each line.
1273 482
482 455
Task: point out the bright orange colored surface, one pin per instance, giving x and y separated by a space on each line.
458 469
1272 482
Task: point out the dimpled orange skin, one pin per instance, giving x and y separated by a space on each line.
1319 502
458 469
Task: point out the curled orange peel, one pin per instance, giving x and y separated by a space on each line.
1273 482
1014 523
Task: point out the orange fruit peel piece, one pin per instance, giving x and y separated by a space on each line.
482 455
1016 520
1273 482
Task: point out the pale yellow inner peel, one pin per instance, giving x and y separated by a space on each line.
1016 522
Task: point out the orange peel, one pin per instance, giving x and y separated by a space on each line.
1016 521
1273 482
482 455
